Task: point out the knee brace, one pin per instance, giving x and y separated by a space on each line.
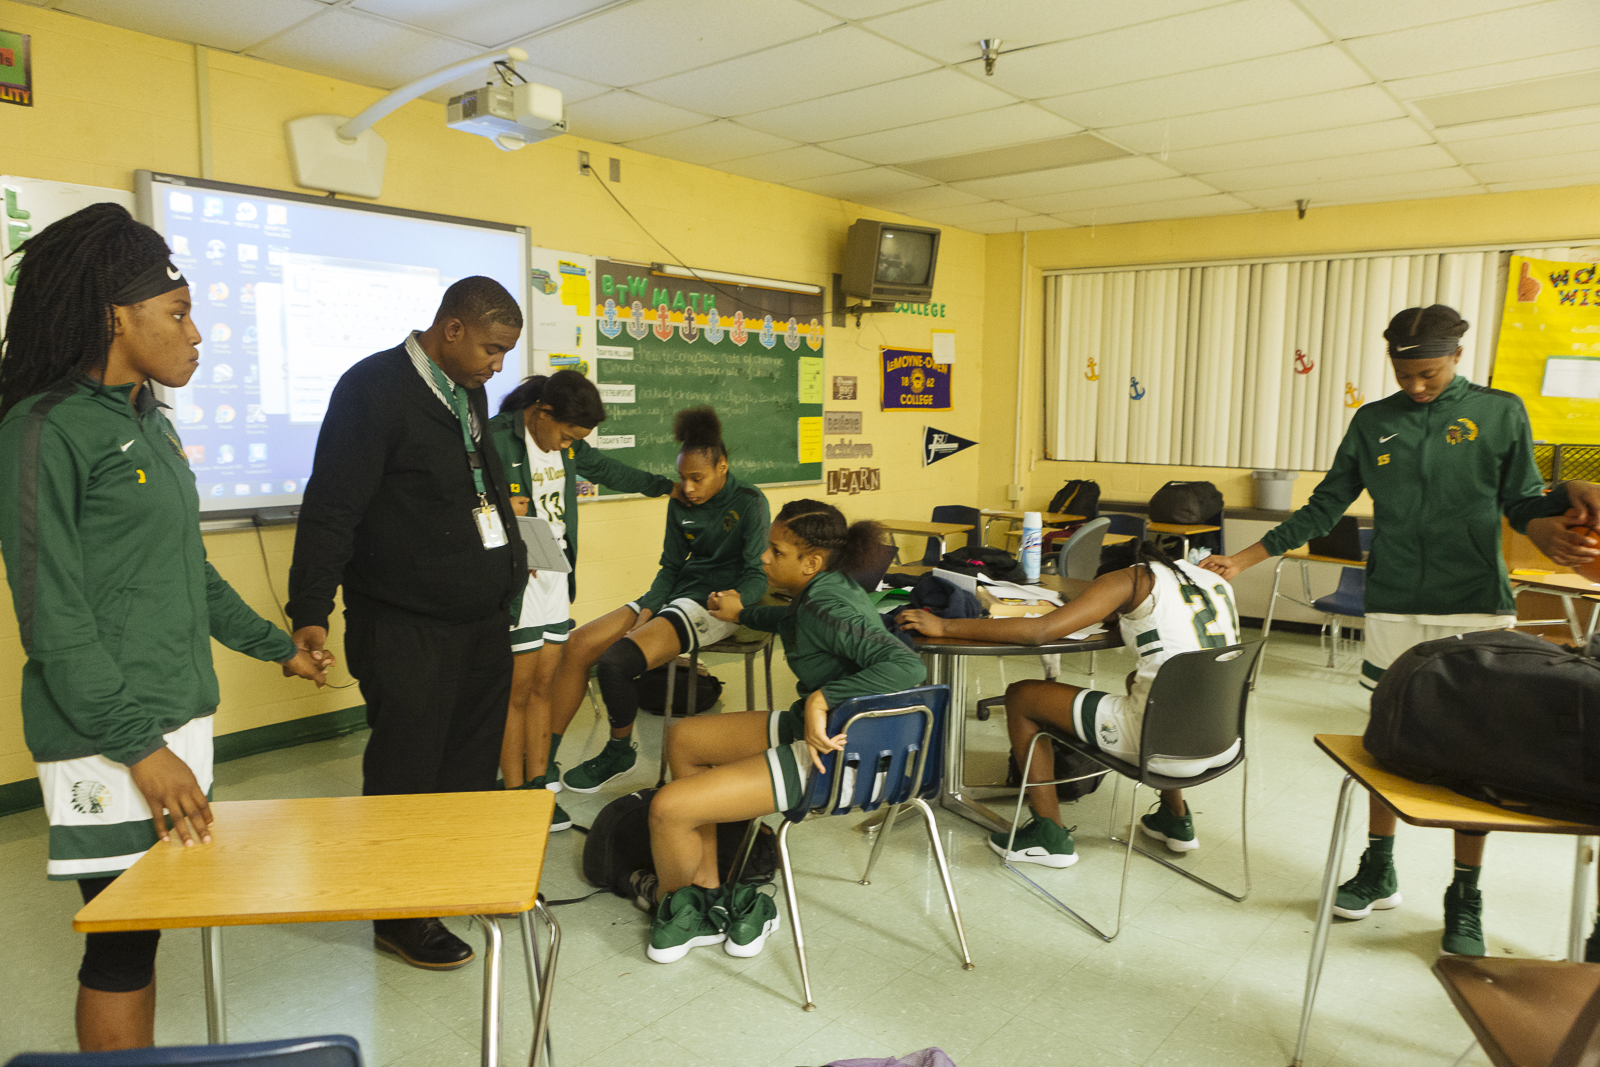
618 671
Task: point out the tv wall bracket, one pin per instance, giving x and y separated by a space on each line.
841 308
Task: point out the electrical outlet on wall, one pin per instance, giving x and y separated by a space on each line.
583 164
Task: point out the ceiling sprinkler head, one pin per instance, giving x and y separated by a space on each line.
991 52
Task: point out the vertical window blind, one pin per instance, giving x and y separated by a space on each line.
1243 364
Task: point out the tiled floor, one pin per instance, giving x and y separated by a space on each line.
1193 980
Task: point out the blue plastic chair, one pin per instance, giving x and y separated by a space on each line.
1347 601
952 513
332 1050
895 746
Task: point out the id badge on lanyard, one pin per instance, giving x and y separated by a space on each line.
490 528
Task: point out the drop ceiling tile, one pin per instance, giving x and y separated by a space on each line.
935 95
572 89
865 9
1592 178
484 22
1526 145
1042 222
839 60
1498 37
712 143
1323 144
987 211
1117 196
1188 208
1254 81
1362 18
621 116
1550 120
918 200
950 29
1242 30
1321 111
792 164
355 47
1449 181
229 27
992 226
877 182
1065 179
1538 168
1520 70
1016 124
652 39
1366 165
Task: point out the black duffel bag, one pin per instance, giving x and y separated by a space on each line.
653 691
619 844
1185 503
994 563
1499 716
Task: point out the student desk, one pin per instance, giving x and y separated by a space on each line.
1419 805
1303 557
948 666
1569 587
1048 517
936 531
1183 530
338 859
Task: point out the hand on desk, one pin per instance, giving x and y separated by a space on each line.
169 785
923 622
725 605
1556 537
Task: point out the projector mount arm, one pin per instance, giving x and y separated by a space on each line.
407 93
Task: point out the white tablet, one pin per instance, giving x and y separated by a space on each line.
544 551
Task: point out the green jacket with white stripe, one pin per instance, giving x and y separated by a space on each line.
115 600
835 640
1440 474
713 546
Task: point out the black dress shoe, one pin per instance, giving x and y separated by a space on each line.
425 943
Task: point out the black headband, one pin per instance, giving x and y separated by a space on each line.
1422 347
158 278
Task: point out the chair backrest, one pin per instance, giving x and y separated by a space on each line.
958 513
872 572
1197 704
1131 525
1080 554
894 750
331 1050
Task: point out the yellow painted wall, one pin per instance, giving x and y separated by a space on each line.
81 132
1546 216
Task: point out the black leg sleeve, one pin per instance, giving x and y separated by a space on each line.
618 671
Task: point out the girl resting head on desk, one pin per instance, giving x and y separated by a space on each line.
1162 608
738 766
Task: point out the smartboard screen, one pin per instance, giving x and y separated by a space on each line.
289 292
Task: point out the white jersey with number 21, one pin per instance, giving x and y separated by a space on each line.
1183 614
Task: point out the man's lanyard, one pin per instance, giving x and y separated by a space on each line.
458 403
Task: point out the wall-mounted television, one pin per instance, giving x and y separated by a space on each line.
289 291
885 261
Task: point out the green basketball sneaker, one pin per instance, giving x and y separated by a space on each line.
1041 841
1463 922
752 915
613 761
1375 887
1176 830
682 922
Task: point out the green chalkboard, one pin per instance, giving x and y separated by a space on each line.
754 355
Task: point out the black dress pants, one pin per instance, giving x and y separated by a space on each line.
436 701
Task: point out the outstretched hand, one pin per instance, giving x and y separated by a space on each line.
923 622
725 605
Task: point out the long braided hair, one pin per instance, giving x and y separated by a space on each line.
821 527
60 322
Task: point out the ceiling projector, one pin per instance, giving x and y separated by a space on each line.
509 115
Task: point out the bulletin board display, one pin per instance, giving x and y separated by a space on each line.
755 355
1549 349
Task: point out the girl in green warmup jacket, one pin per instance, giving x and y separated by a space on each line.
731 767
539 435
715 536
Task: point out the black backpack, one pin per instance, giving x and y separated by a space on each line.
1079 496
1185 503
1068 764
619 844
653 691
994 563
1499 716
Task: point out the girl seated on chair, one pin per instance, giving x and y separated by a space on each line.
714 539
752 763
1162 611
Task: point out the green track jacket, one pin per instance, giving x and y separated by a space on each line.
115 601
713 546
835 641
1440 475
581 459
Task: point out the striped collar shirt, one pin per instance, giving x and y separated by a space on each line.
420 360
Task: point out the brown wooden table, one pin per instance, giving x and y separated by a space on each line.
1178 529
1419 805
1057 518
339 859
934 531
1569 587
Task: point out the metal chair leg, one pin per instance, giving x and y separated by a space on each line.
749 680
794 911
892 811
1333 645
666 716
1266 623
1244 801
944 874
767 652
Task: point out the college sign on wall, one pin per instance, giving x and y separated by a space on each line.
912 381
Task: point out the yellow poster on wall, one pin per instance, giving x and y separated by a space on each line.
1549 351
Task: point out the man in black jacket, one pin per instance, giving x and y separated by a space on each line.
408 510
